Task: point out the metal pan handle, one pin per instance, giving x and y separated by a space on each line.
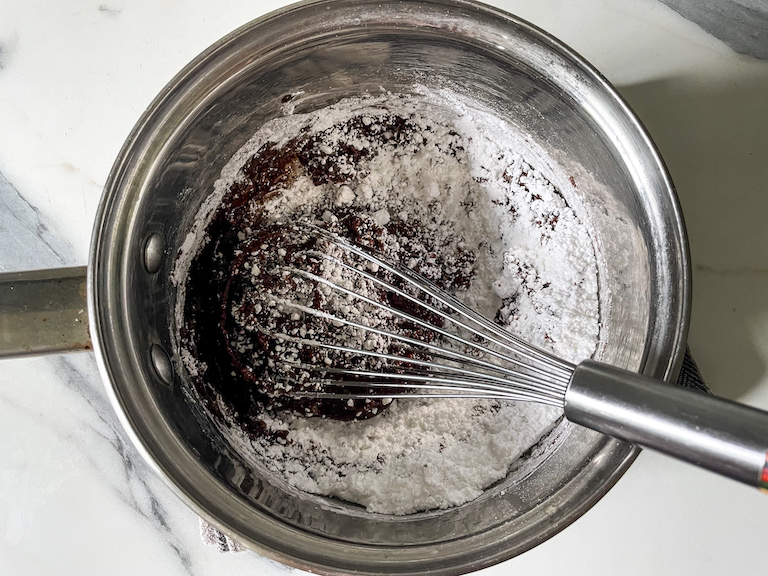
43 312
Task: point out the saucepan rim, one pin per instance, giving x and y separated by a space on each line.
107 312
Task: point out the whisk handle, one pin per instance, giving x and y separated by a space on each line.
714 433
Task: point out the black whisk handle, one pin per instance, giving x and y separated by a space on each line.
714 433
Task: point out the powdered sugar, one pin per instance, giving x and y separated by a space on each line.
468 202
417 455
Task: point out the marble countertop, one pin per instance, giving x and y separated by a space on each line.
75 496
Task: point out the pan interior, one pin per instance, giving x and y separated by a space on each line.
168 168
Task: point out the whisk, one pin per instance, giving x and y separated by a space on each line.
454 351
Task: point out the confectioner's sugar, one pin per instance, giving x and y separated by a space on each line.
418 455
475 184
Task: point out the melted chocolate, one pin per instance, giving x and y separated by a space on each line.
237 368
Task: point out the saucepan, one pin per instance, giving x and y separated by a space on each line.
324 51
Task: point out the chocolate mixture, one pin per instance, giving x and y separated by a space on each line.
449 192
237 327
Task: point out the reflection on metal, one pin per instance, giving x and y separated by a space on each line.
154 250
162 363
43 311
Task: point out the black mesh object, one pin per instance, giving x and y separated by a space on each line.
690 376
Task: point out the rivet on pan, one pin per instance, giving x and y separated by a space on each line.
162 364
154 248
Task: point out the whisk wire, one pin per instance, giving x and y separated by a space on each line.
514 376
520 347
461 376
542 373
434 392
442 390
472 358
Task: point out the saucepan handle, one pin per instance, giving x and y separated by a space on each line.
43 312
713 433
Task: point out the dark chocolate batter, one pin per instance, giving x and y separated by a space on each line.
224 311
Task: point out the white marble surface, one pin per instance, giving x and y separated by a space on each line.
75 498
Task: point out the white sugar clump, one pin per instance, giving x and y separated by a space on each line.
475 184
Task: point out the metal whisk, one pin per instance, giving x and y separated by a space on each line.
470 356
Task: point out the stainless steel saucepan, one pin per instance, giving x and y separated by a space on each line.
324 51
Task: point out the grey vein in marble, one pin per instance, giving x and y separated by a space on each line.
88 424
26 240
29 243
110 10
79 373
742 24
